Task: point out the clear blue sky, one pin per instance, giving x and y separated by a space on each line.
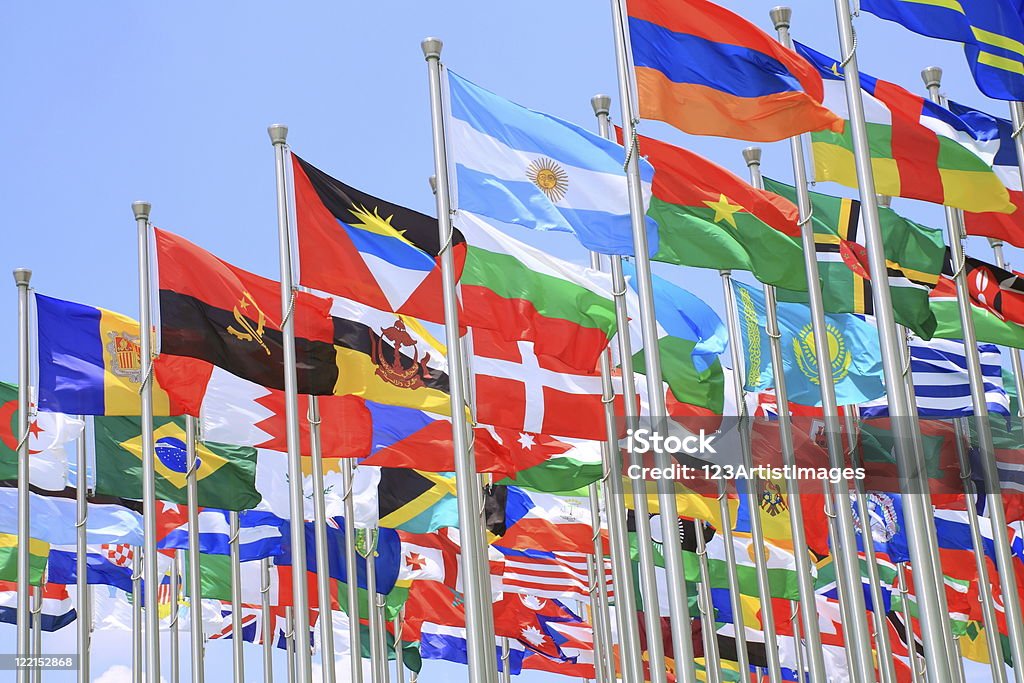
169 102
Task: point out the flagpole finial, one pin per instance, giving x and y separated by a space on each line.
884 200
22 276
992 242
780 16
278 133
752 155
432 47
602 104
141 210
931 75
432 180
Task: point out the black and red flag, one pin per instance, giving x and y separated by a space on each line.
1000 291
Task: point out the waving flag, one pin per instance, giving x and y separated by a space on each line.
988 323
260 534
547 574
992 32
708 71
524 167
919 149
53 518
58 609
111 566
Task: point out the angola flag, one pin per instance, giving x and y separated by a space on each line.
914 256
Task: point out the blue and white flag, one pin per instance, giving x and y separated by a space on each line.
52 519
939 370
524 167
108 566
449 643
260 534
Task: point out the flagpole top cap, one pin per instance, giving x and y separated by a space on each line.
781 16
432 181
432 47
22 276
884 200
994 243
602 104
752 155
931 75
141 210
278 133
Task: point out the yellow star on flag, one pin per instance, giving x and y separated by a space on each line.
724 210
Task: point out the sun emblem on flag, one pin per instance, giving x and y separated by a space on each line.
806 356
533 636
549 177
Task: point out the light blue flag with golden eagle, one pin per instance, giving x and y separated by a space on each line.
856 360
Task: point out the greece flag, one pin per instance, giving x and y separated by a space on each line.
524 167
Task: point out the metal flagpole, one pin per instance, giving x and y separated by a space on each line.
985 597
194 568
597 591
323 576
932 77
801 555
24 645
712 656
1015 362
37 630
380 603
678 607
149 557
82 603
753 505
136 614
351 586
798 648
175 607
479 639
265 617
886 669
506 653
279 136
638 486
289 642
378 657
903 586
399 648
237 654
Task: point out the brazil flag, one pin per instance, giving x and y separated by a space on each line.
225 475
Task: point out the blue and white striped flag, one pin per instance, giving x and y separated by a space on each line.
940 381
524 167
261 534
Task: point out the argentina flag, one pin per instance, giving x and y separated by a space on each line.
531 169
939 370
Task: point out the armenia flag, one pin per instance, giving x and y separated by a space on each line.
520 166
855 357
992 32
919 149
708 71
90 361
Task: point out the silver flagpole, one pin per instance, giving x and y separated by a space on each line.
24 645
798 648
678 608
289 641
399 649
323 575
175 641
852 609
136 614
709 635
903 586
265 617
932 77
985 597
382 620
37 630
149 557
351 586
753 505
481 654
194 568
237 654
801 555
506 652
626 608
378 657
300 617
82 605
886 669
597 591
1015 362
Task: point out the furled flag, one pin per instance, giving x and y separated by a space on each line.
855 363
354 245
939 370
920 150
236 411
709 218
1000 226
225 476
708 71
89 361
58 609
48 433
532 169
914 256
522 293
989 325
992 32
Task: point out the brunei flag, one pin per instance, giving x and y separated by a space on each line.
226 475
90 363
355 245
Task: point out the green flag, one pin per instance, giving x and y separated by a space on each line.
226 475
914 255
988 326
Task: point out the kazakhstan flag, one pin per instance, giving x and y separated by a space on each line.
855 358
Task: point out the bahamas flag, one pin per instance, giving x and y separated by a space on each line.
226 475
992 32
856 360
89 361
